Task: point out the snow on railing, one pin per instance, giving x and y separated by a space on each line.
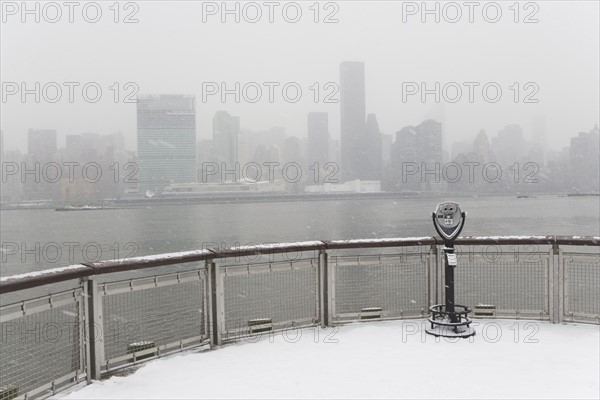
39 278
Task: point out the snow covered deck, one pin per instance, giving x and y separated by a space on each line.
395 359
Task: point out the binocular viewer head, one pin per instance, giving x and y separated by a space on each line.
448 220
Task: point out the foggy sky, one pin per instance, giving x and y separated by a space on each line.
171 51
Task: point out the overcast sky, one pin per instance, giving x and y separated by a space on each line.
171 50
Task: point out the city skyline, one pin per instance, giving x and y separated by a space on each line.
416 161
563 63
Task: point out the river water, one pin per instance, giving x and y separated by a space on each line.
40 239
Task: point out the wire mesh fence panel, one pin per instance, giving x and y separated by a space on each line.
151 312
514 283
369 287
263 297
582 285
42 348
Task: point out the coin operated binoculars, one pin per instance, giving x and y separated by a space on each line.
449 319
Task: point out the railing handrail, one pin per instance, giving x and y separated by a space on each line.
39 278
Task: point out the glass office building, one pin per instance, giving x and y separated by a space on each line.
166 139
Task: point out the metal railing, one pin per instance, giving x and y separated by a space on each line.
104 321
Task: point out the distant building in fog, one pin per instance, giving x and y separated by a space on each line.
166 141
510 146
353 124
481 146
261 144
73 147
416 158
373 167
41 143
430 153
108 153
429 141
226 131
41 155
403 152
584 156
318 138
292 152
538 125
386 147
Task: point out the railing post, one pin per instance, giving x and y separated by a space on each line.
433 276
213 309
95 340
560 278
551 287
440 275
84 331
323 288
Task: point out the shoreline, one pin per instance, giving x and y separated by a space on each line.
215 199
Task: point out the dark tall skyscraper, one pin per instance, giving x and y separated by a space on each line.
166 138
360 138
318 138
352 113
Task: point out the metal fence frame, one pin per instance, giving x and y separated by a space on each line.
217 264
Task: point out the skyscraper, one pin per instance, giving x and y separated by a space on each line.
41 149
404 159
584 155
373 167
417 156
166 141
510 145
352 113
429 142
481 146
539 131
226 131
318 138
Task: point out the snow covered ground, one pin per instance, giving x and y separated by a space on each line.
396 359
